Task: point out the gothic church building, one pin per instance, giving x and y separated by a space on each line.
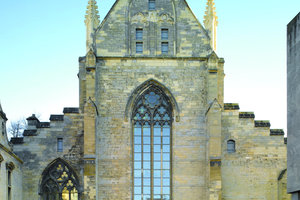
151 122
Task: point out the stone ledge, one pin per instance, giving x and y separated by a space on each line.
30 133
71 110
262 123
57 118
231 106
247 115
276 132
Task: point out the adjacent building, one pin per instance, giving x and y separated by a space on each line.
10 166
293 91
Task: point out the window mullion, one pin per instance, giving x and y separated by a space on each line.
142 159
161 161
152 160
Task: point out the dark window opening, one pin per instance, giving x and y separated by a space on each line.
60 145
164 34
139 34
9 185
152 5
139 47
3 128
230 146
164 47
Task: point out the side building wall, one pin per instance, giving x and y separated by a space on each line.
253 170
293 108
10 164
39 148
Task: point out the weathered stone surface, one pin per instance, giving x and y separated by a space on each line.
293 109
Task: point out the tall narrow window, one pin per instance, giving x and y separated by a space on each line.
9 168
139 47
152 119
230 146
9 184
60 145
152 5
164 34
3 128
164 47
139 34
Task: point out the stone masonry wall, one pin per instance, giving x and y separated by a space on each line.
293 99
40 149
116 80
252 171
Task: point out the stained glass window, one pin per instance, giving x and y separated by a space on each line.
59 182
152 119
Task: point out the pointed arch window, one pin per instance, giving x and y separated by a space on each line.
152 122
60 182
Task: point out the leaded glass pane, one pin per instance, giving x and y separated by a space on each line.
152 120
137 165
137 197
147 148
157 140
137 181
157 131
147 173
147 181
138 148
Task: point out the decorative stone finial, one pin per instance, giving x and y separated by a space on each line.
211 23
92 22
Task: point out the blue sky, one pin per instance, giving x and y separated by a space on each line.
40 42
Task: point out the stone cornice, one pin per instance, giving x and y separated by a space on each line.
11 153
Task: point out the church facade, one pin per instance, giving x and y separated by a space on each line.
151 123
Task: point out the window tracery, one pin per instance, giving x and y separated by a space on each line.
59 182
152 120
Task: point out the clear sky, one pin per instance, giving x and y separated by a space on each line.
40 42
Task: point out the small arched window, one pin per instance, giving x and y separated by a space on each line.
59 182
230 146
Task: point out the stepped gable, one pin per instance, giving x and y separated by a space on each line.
247 115
231 106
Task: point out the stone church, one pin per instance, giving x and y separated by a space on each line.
151 122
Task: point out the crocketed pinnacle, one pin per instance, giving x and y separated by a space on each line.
92 17
210 13
91 22
211 22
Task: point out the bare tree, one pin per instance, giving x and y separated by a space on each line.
16 128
